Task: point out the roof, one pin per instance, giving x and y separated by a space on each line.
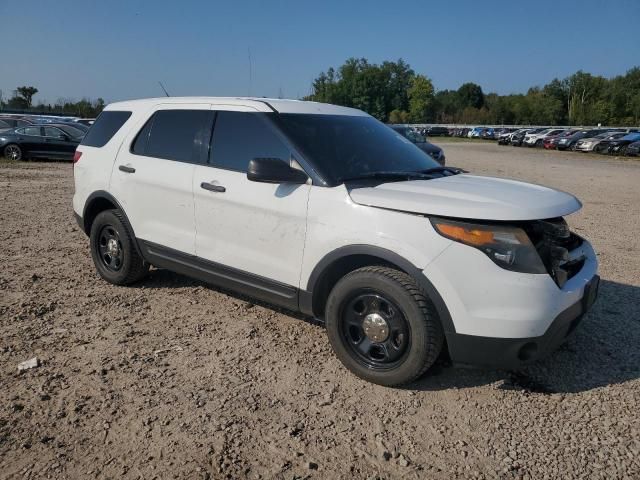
259 104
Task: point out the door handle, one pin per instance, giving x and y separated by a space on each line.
125 169
213 188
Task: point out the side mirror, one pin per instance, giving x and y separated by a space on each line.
64 137
274 170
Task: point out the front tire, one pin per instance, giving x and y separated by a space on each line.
114 251
382 327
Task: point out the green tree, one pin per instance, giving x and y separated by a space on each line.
421 94
471 95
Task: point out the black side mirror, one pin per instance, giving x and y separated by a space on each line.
274 170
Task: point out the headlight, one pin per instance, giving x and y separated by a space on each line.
508 247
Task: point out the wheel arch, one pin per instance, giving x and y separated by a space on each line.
344 260
98 202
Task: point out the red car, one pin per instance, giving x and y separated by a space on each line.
551 143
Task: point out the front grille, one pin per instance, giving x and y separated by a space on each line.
554 242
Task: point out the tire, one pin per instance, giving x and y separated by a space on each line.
538 144
414 335
114 251
13 152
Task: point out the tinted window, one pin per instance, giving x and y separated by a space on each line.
140 143
178 135
35 131
105 127
53 132
72 131
343 146
239 136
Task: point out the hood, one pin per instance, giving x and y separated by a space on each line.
471 197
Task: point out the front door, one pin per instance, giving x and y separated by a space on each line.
256 228
58 143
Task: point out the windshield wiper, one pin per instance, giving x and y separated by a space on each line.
382 175
428 174
451 170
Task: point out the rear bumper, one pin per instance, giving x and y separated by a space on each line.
512 353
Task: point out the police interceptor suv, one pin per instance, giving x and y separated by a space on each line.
324 210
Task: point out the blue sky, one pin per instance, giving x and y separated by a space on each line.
120 49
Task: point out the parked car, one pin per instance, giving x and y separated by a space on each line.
328 212
633 149
14 122
518 138
475 132
39 141
597 143
435 131
551 142
536 139
430 149
619 146
569 142
506 137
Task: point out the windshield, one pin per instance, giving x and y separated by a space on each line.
342 146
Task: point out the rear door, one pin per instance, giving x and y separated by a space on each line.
254 228
153 174
31 139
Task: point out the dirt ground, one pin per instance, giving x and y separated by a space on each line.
174 379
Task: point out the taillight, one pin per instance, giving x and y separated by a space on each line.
76 156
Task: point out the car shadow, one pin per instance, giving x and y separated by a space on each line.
161 278
604 350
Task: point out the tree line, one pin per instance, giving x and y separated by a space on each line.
394 93
21 101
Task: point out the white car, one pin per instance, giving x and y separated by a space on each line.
324 210
537 139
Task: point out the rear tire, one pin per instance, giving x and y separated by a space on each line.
13 152
382 327
114 251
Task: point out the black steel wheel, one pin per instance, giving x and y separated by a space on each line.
110 248
375 329
114 251
382 326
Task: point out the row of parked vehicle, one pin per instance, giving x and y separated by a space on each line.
613 141
35 136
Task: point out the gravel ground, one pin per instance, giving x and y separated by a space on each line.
171 378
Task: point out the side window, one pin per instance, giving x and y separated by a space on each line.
105 127
140 143
33 131
240 136
175 135
53 132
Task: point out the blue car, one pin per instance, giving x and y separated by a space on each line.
619 146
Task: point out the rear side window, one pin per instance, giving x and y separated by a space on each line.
34 131
239 136
105 127
178 135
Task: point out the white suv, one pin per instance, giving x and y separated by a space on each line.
324 210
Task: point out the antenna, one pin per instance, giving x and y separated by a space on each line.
163 89
250 70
